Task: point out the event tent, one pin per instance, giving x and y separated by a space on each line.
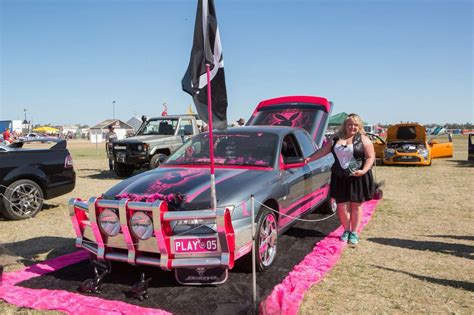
46 129
337 119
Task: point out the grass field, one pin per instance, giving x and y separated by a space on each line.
415 256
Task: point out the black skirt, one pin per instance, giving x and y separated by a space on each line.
352 189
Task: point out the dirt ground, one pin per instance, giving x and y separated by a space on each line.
415 256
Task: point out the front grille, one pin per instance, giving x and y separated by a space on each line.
406 158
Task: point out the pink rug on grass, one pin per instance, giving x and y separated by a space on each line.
285 298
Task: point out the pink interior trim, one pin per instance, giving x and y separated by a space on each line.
286 297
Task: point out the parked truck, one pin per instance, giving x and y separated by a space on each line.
154 141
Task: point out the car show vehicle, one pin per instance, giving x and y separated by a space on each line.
379 144
407 144
164 217
30 175
154 141
470 147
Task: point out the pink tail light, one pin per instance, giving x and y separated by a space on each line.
68 163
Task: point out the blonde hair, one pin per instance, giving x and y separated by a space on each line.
356 118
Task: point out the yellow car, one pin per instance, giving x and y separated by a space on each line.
407 144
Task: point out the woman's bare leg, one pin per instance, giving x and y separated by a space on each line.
344 215
355 216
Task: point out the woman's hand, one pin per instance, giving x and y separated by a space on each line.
358 173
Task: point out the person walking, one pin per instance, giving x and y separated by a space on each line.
352 181
110 137
7 136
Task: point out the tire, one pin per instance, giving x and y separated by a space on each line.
123 170
328 207
266 239
157 159
23 199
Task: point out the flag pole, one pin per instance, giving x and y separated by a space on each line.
211 141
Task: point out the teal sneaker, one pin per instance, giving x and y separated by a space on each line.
345 236
353 238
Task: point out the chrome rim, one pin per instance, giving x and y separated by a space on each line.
268 240
25 199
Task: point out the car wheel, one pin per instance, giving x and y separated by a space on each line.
266 239
157 159
329 206
123 170
22 199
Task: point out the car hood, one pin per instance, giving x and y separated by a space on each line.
143 139
192 184
406 132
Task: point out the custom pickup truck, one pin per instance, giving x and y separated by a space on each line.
30 172
154 141
164 218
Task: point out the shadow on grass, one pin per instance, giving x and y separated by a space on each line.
100 174
28 251
459 250
462 163
469 286
454 237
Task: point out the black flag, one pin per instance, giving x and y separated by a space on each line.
207 49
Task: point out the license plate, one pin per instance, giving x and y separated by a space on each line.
121 157
195 245
405 157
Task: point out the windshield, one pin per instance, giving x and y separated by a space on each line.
159 127
243 148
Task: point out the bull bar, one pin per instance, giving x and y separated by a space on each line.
157 251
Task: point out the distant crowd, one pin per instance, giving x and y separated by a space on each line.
8 136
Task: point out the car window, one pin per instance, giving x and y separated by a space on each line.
290 148
306 143
230 148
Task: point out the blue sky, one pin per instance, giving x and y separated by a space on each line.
65 61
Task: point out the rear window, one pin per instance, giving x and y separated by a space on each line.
406 133
291 117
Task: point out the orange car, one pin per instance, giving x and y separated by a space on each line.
407 144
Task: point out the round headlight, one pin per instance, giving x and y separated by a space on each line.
109 222
140 147
141 224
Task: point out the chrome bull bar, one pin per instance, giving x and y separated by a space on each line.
85 221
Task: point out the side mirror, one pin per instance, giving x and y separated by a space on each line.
293 162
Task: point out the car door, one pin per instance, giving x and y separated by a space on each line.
297 179
441 149
379 144
318 187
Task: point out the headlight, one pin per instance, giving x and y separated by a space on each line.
423 152
109 222
388 152
142 226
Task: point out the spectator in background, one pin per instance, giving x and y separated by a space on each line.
7 136
110 137
239 123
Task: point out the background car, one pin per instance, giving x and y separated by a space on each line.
28 176
407 144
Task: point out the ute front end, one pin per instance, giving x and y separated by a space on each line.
141 233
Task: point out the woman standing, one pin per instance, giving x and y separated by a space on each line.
351 179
